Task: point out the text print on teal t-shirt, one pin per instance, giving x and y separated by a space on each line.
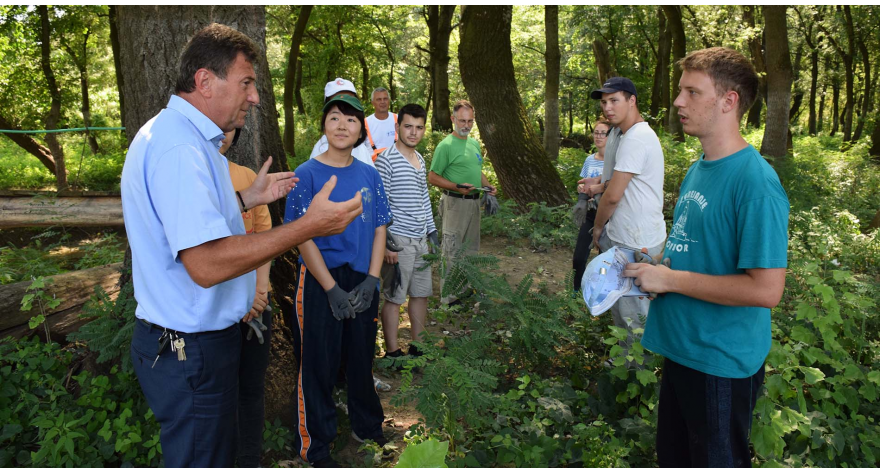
731 215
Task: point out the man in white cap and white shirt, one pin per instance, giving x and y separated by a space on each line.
342 86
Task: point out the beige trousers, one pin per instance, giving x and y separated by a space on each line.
461 230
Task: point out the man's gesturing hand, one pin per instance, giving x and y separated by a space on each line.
268 187
329 218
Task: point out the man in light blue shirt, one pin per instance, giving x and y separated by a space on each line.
192 264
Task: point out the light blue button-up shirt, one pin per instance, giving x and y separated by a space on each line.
177 194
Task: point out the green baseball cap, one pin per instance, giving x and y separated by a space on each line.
347 98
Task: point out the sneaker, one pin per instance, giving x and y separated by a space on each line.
395 354
381 440
381 385
414 351
326 462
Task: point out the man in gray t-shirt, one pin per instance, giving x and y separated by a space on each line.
630 211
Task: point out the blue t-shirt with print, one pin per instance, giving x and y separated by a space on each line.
592 167
731 215
354 246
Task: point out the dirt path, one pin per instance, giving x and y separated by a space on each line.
515 261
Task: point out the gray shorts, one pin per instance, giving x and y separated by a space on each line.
414 282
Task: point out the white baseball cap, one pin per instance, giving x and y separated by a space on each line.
603 283
338 85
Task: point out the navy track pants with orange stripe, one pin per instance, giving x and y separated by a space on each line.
319 340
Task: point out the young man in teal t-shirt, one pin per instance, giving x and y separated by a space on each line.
728 253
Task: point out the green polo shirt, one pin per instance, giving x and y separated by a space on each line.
458 160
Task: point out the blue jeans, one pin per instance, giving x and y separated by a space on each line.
704 420
195 400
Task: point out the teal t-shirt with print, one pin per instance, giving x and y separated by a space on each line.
731 215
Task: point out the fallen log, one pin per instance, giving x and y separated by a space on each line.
72 211
73 289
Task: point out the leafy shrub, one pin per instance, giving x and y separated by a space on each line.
104 422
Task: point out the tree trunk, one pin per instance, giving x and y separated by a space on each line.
848 65
29 144
525 174
73 289
679 50
779 79
439 20
81 62
54 115
603 61
865 108
757 52
875 222
114 46
814 86
874 152
70 211
835 101
794 110
660 91
551 87
297 89
365 77
289 139
820 122
153 39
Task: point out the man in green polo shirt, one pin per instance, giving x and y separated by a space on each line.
456 165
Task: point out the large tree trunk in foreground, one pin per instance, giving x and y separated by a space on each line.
551 84
524 171
679 50
29 144
779 78
54 115
152 40
290 78
439 20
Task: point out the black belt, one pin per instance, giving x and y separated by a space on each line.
462 196
164 329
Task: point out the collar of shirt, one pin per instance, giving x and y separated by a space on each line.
209 130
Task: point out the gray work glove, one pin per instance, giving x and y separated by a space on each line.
579 211
397 279
256 327
490 204
391 242
339 304
645 258
362 295
433 242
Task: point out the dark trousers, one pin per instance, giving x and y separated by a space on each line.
318 341
251 388
704 420
582 249
194 400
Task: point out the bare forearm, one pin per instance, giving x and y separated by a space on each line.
378 254
441 182
729 290
606 209
263 277
224 259
315 263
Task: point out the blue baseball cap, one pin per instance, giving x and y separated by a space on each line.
614 84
